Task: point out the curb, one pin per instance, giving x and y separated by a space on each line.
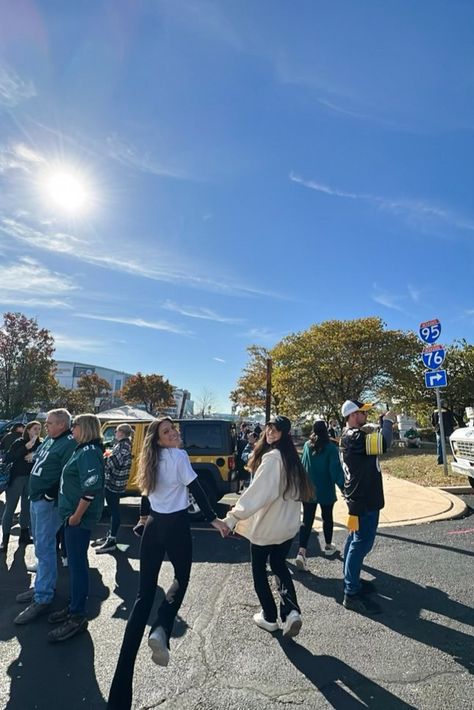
457 490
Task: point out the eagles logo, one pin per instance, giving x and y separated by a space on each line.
91 480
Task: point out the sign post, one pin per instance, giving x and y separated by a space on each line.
433 357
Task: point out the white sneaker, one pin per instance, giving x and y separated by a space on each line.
330 550
292 624
263 623
157 643
302 563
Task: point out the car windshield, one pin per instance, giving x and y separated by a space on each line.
203 437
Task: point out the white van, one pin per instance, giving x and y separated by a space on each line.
462 446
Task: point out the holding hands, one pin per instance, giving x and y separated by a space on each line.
221 526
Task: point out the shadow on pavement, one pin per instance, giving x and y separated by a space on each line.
39 664
407 605
343 687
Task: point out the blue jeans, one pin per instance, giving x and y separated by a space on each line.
358 545
77 544
113 501
17 488
45 522
439 448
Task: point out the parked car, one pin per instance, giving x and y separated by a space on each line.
462 446
210 444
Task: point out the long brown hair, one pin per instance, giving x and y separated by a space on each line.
149 455
297 485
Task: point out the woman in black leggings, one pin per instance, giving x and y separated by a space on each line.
268 514
165 474
321 460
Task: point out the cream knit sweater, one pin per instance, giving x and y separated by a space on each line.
262 515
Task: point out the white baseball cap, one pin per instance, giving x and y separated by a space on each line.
352 405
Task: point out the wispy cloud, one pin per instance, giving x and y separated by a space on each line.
28 283
14 89
218 359
261 335
98 255
19 157
67 343
386 298
139 323
420 213
201 313
415 293
126 154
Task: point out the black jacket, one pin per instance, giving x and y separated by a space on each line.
363 487
17 453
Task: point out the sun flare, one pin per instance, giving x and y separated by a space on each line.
67 190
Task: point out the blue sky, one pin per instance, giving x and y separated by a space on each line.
248 168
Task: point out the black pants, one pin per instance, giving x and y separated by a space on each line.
277 557
309 511
164 533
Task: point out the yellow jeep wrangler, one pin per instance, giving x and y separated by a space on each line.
210 444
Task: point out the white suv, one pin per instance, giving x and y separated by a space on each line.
462 445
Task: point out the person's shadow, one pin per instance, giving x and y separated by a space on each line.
46 675
343 687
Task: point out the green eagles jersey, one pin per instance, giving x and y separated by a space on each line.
83 475
50 459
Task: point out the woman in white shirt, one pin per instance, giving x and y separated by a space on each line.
268 514
165 475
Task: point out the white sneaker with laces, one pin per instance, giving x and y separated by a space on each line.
292 624
263 623
158 644
330 550
301 563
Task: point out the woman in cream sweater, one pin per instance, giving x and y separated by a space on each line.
268 514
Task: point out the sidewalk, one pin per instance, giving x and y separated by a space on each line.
405 504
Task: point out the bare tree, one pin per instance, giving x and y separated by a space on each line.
205 402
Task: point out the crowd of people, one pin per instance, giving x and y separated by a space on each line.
63 480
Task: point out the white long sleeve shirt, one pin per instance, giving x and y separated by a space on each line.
262 515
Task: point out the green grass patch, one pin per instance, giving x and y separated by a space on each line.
419 466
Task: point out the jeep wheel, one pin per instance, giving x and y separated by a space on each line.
194 511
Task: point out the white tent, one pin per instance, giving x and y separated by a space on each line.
125 413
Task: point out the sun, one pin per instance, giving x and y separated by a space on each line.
67 190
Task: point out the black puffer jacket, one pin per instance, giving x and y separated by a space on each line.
17 453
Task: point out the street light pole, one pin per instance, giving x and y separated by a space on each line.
268 392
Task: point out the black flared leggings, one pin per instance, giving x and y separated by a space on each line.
164 533
309 511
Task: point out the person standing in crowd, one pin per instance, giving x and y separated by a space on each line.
321 461
363 491
334 431
81 501
244 457
257 430
268 514
50 459
117 471
165 475
20 454
449 425
16 431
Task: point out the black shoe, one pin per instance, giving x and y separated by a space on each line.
361 605
109 545
59 617
75 624
4 545
367 587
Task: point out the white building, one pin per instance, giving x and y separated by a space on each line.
68 374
